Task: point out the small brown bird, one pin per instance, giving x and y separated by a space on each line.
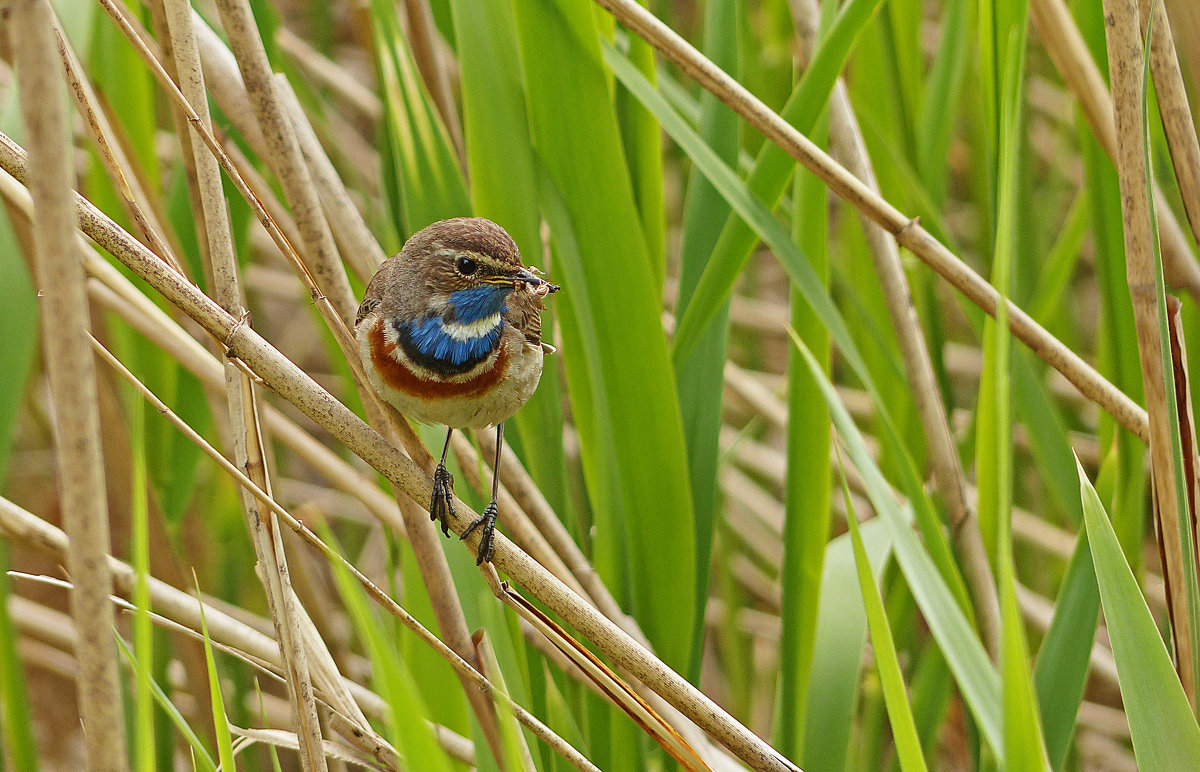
450 332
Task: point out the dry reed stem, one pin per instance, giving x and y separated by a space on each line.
907 231
293 384
283 154
350 230
1174 109
241 400
179 611
112 154
344 86
1071 56
426 45
848 147
71 374
529 498
1121 26
119 295
460 665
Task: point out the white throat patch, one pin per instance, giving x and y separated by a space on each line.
471 330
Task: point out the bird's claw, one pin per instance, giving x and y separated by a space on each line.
441 505
487 539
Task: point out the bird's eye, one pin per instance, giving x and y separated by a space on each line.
466 266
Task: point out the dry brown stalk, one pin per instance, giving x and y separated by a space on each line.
283 154
112 153
179 611
350 230
1074 61
907 231
427 50
71 374
1122 29
343 85
1173 107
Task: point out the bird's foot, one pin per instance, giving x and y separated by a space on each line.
487 540
441 505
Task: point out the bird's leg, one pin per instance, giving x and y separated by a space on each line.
488 518
441 505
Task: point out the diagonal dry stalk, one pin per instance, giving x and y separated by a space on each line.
286 379
848 147
263 496
907 231
1121 25
71 374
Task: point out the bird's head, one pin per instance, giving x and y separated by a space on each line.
466 268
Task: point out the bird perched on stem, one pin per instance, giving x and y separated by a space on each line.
450 332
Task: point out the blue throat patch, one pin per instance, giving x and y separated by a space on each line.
427 342
471 305
429 337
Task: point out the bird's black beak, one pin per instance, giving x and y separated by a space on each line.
534 281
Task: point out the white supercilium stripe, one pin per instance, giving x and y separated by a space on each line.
471 330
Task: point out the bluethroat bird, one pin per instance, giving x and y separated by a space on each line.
450 332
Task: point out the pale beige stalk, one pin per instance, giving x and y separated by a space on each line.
70 372
1122 29
283 155
1172 99
429 54
350 230
112 154
238 637
241 400
907 231
1070 54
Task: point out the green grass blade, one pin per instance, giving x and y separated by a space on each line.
504 189
220 720
976 678
143 630
16 718
808 484
18 344
841 628
626 406
201 758
805 280
700 378
942 91
641 140
1161 724
904 728
1062 662
771 172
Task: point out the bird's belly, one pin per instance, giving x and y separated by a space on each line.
484 396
